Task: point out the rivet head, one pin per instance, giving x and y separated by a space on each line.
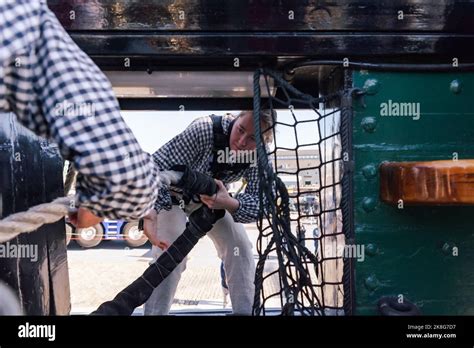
371 86
369 124
368 204
446 248
455 86
371 282
449 248
371 249
369 171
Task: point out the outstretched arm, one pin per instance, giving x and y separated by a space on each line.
58 92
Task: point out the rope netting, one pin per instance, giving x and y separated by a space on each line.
301 268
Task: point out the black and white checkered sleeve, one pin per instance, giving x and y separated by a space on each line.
249 206
184 149
57 91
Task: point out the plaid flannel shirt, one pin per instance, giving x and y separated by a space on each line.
193 147
56 91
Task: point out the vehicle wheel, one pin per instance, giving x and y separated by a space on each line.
132 235
69 232
90 236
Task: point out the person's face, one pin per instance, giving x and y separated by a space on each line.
242 136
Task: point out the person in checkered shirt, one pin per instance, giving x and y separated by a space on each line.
56 91
211 145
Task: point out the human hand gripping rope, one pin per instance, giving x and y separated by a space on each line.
200 222
47 213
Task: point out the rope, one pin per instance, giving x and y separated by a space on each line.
35 217
347 202
47 213
70 181
199 223
292 268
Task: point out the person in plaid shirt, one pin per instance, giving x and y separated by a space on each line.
56 91
197 147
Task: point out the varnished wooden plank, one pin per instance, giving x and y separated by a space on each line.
428 183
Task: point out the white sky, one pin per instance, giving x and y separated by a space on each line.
154 128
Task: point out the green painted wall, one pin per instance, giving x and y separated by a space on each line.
410 251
